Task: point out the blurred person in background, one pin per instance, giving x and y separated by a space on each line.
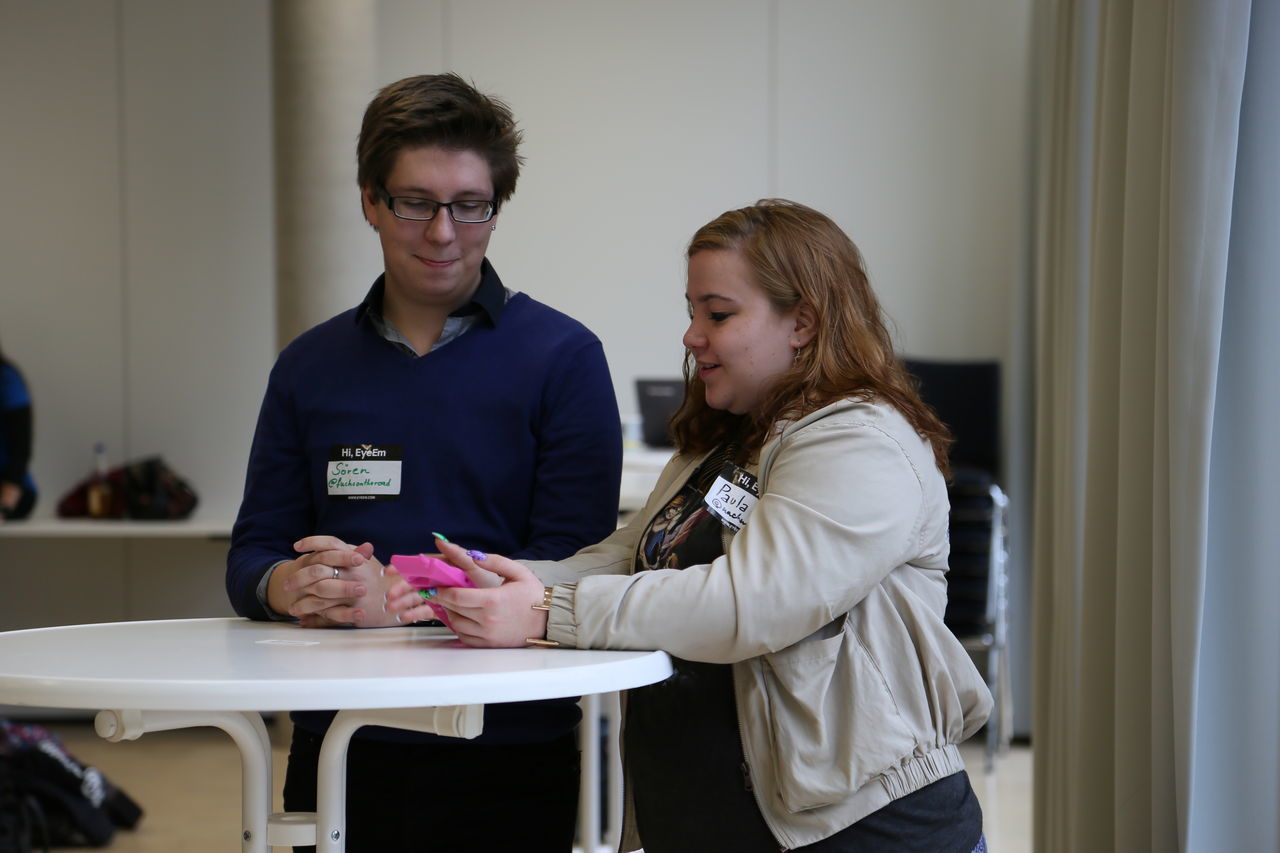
17 488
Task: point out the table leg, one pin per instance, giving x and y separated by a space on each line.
462 721
613 713
598 754
246 729
589 787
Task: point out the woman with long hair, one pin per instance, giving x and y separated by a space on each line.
818 698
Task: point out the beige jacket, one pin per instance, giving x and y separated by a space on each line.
851 691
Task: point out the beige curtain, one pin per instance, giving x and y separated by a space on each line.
1137 143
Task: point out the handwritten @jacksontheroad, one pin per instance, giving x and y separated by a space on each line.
346 476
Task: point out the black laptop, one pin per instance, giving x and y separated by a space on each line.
659 399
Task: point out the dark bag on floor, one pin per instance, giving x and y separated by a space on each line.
145 488
66 803
21 820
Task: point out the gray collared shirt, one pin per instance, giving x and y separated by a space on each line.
454 327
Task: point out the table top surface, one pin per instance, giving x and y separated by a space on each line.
241 665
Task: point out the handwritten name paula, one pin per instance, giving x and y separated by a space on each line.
733 503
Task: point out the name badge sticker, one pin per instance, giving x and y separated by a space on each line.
364 472
732 496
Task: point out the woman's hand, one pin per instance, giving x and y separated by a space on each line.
490 616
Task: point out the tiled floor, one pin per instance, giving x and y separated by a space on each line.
188 782
1005 794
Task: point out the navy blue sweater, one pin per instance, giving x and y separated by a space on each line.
509 439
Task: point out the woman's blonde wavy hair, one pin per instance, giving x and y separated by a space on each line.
799 255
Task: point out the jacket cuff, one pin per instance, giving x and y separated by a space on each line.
561 626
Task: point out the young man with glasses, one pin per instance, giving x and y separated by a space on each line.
444 402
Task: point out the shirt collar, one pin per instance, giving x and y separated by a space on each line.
490 298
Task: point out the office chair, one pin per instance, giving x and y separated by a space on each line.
966 396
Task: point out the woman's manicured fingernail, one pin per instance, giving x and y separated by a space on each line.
440 536
477 555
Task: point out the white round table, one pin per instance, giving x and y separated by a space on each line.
153 676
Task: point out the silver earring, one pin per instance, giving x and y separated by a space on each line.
493 227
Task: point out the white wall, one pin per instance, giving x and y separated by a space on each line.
150 325
136 255
904 121
62 250
136 247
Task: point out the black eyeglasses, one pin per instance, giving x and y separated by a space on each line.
424 209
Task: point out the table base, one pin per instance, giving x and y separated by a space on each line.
326 827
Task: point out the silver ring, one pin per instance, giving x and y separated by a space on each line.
335 572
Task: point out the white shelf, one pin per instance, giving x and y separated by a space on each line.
640 469
85 528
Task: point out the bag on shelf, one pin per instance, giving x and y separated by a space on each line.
145 488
